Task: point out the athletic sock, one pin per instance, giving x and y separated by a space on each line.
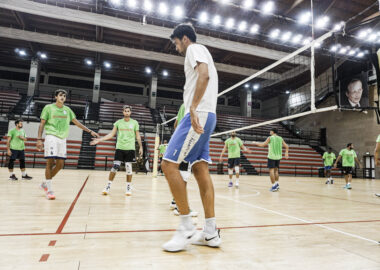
12 174
23 173
210 225
275 183
49 184
187 222
109 183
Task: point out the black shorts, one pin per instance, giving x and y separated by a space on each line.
184 166
125 155
347 170
17 154
233 162
273 163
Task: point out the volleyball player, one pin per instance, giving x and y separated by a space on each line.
348 157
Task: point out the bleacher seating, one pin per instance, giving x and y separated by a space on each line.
34 158
227 122
112 111
8 99
303 160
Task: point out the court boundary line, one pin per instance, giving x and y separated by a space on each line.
71 208
222 228
299 219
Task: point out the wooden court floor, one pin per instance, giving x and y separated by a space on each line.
306 225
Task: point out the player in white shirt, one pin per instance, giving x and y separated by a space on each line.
190 141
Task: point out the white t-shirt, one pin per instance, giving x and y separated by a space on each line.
199 53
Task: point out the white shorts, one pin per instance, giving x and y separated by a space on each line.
55 147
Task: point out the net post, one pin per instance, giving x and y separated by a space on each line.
312 62
155 153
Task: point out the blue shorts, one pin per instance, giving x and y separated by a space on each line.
189 146
327 168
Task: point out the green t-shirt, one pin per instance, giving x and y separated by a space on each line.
348 157
181 114
233 147
126 134
57 120
16 142
378 139
329 158
275 147
162 148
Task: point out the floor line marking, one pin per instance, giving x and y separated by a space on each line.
299 219
222 228
52 243
44 257
66 217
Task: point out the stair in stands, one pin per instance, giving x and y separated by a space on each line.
250 170
3 128
21 106
87 152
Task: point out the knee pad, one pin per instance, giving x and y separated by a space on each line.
22 163
11 164
128 168
116 166
237 169
230 171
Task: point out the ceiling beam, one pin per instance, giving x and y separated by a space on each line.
93 46
84 17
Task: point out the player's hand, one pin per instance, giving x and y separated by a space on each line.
286 155
141 152
335 165
94 141
220 160
195 122
378 162
9 152
39 145
94 134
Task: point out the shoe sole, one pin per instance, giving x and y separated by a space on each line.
128 194
104 193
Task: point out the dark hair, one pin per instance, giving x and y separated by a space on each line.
349 144
184 29
274 130
354 80
18 121
127 107
56 93
330 149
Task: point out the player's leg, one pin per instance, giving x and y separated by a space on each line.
237 171
115 168
230 171
11 165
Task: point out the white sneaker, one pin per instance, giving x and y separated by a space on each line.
173 205
237 185
204 239
106 190
128 192
192 213
180 239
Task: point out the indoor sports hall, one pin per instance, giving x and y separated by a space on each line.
173 134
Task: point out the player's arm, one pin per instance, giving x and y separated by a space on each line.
284 144
200 89
109 136
9 152
358 162
138 137
377 150
337 160
22 138
223 151
175 124
83 127
245 149
262 144
39 136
